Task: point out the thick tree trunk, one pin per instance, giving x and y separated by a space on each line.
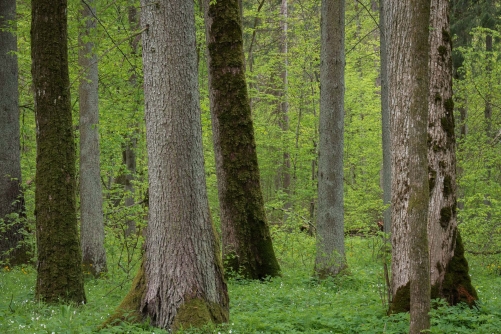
330 258
59 256
12 250
408 23
91 196
448 268
442 217
183 280
247 244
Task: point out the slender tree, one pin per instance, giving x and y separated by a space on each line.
12 249
330 258
247 245
91 196
385 118
59 271
181 282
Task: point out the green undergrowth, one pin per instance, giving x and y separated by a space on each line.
292 303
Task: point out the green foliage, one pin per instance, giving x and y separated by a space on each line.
479 152
293 303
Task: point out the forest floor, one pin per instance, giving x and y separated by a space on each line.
294 303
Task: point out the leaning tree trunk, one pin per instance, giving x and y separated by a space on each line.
330 258
247 244
449 270
91 196
181 282
59 256
408 86
12 249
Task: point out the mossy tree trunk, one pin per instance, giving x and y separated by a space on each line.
12 249
442 216
59 271
183 276
448 268
330 258
91 196
247 244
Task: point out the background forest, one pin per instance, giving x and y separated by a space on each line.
282 50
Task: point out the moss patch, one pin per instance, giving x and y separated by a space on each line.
432 177
445 216
457 286
401 300
198 313
447 186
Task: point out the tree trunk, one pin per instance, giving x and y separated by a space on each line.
408 23
91 196
442 217
12 249
183 280
385 119
59 255
284 108
247 244
330 258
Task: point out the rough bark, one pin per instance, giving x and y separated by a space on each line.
12 249
247 244
408 95
442 217
91 196
59 271
330 258
419 192
183 276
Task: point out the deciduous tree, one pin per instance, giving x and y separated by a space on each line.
247 244
91 196
12 248
330 258
181 281
59 270
408 87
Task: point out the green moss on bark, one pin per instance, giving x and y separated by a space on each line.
401 300
198 313
252 254
445 216
457 287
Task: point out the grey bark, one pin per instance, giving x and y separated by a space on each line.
91 197
284 107
442 218
183 270
11 200
408 23
385 119
330 258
